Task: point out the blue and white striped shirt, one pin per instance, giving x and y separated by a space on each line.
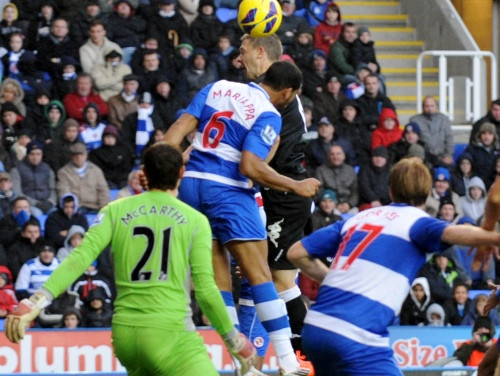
233 118
377 254
33 274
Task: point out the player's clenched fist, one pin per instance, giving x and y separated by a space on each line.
242 349
307 187
27 310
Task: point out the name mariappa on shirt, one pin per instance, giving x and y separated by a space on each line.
249 109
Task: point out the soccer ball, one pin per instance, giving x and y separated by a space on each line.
259 18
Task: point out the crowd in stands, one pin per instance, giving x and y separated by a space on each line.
87 85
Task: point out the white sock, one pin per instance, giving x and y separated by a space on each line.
290 294
284 352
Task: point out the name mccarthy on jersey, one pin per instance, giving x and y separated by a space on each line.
163 210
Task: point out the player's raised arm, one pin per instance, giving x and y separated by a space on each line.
181 127
490 219
259 171
469 235
210 299
96 239
492 208
311 266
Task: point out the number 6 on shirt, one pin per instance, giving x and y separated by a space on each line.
214 124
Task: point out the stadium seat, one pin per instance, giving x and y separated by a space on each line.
90 218
113 193
473 293
226 14
346 216
459 149
42 218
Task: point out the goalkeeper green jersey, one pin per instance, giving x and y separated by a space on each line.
160 247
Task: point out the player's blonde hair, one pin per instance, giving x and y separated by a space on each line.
271 44
410 182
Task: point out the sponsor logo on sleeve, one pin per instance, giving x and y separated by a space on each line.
98 219
268 135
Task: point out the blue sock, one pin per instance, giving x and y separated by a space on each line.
231 309
271 310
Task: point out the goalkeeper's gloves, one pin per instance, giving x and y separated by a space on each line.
241 348
27 310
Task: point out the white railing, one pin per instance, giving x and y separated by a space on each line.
446 84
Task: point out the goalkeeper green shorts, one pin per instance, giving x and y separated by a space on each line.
152 351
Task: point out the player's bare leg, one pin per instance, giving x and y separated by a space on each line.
251 257
222 266
284 280
489 364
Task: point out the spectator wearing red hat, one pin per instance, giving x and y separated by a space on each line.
388 131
